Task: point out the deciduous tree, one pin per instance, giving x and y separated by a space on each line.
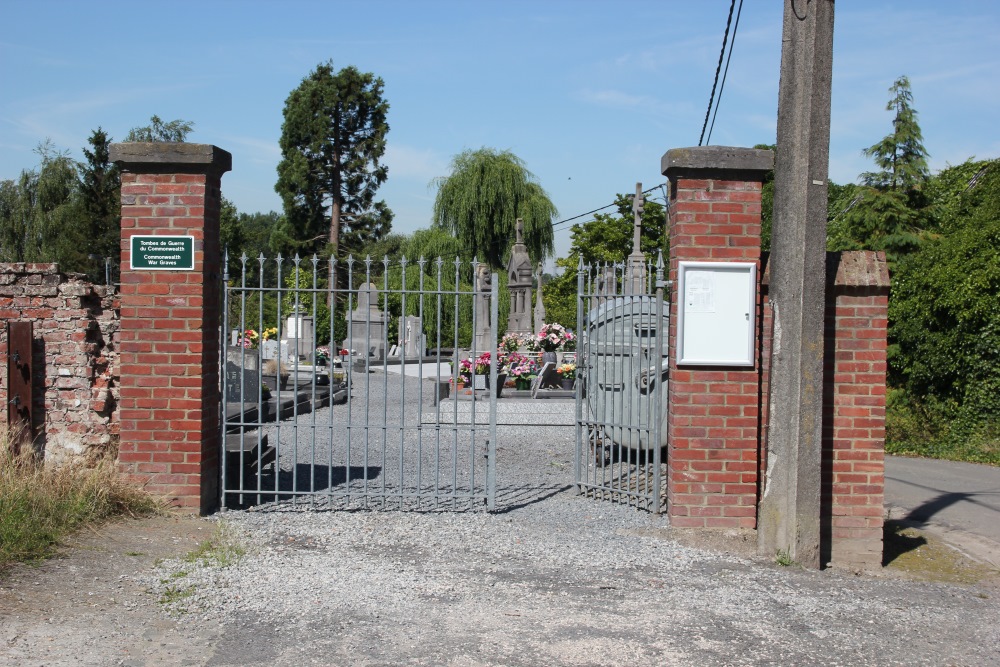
158 130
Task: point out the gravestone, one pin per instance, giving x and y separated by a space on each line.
242 375
519 286
484 290
299 334
269 349
635 279
413 336
539 306
367 324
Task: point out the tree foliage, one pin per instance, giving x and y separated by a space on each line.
944 319
480 202
607 239
889 211
100 201
332 142
161 131
41 214
900 156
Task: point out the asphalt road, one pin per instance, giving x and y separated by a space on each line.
961 500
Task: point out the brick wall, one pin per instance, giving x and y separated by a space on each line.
713 413
74 357
717 415
170 322
854 409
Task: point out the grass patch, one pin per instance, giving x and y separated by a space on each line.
783 558
916 554
41 504
221 550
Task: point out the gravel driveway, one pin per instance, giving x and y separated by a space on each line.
550 579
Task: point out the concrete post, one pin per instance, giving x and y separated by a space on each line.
789 519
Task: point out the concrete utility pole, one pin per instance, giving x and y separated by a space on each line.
789 518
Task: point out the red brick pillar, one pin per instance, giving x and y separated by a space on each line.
170 318
854 409
713 413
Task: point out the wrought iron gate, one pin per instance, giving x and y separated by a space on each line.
621 402
341 427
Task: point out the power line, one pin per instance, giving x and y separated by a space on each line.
722 87
556 224
718 69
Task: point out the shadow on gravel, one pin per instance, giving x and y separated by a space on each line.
895 543
515 498
303 479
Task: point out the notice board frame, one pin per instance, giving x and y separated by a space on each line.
716 313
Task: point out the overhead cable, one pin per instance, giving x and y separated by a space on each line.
556 224
722 86
718 70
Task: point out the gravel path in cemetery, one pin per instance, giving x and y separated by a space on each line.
550 579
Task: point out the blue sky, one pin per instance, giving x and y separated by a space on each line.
589 94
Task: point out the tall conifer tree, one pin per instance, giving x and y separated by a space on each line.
332 142
889 212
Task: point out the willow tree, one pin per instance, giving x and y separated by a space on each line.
482 199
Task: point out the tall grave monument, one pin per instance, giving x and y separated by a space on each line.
519 285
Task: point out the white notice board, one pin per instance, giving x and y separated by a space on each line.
716 309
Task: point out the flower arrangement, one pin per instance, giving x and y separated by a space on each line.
465 371
511 343
250 339
269 334
553 337
567 371
531 344
322 355
483 363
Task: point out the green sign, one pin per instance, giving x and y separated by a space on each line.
163 253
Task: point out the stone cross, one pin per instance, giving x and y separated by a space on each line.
635 278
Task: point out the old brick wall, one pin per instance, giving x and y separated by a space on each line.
75 357
854 394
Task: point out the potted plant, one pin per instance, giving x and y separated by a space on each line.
511 343
567 375
551 338
275 373
522 369
250 339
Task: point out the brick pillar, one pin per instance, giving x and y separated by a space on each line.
170 322
713 412
853 479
